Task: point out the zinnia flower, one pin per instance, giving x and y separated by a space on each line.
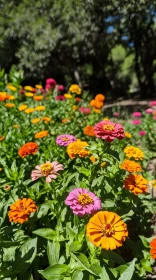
149 111
48 169
22 107
97 111
21 210
3 95
1 138
153 248
46 119
51 82
106 229
77 148
29 110
152 103
10 97
38 86
116 114
85 110
40 108
75 89
68 95
35 120
142 132
11 87
10 105
100 97
83 202
28 149
15 126
130 166
65 120
108 131
128 135
89 130
60 88
133 152
137 114
41 134
136 122
65 139
137 184
29 88
29 94
38 97
60 97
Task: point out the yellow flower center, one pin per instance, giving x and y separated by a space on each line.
46 168
108 230
65 139
85 199
108 127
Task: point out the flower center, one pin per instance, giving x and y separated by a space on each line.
85 199
65 139
108 230
46 168
21 208
108 127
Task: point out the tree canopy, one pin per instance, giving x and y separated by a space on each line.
105 45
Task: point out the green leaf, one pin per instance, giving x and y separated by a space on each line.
25 256
128 273
83 261
56 272
53 252
47 233
113 256
77 275
75 246
144 241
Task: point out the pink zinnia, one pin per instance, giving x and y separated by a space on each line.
142 132
51 82
152 103
116 114
65 139
48 169
137 114
60 88
60 97
109 130
149 111
85 110
136 122
83 202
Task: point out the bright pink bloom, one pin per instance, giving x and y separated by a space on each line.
136 122
60 97
152 103
83 202
142 132
47 86
60 88
109 131
48 169
65 139
85 110
51 82
116 114
137 114
149 111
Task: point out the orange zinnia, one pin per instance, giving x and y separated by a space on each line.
41 134
1 138
77 148
137 184
106 229
130 166
133 152
153 248
89 130
38 97
28 149
21 210
65 120
100 97
46 119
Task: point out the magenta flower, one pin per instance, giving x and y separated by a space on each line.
85 110
136 122
142 132
83 202
152 103
65 139
116 114
149 111
137 114
51 82
48 169
60 88
60 97
108 131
